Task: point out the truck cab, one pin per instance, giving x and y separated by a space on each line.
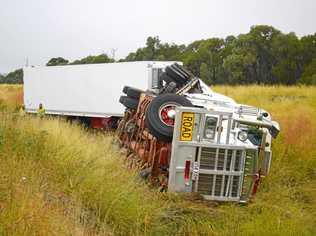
190 139
218 155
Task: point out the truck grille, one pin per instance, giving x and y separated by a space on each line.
221 170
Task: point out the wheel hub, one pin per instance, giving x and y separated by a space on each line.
167 114
171 113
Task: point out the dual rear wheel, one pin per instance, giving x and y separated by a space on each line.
177 74
132 99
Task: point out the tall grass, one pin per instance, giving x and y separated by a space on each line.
11 96
57 178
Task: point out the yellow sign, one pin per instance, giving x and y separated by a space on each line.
187 125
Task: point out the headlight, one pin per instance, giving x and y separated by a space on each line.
210 127
209 133
242 136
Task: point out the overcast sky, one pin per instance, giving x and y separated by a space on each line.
42 29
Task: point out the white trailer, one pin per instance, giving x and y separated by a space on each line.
86 90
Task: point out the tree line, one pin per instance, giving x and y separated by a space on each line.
14 77
264 55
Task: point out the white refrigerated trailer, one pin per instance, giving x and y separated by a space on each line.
89 90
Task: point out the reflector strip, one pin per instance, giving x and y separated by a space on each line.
187 172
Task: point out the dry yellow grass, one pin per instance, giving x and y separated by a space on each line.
11 96
57 178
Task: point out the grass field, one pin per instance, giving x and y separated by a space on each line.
57 178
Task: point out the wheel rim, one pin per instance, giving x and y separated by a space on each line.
164 113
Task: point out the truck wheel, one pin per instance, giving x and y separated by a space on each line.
175 75
129 102
181 68
132 92
160 115
125 88
180 72
169 80
166 78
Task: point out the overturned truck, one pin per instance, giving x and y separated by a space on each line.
186 138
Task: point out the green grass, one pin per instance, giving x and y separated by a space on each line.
57 178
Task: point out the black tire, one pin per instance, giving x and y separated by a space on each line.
125 88
155 125
182 69
128 102
175 75
180 72
134 93
166 78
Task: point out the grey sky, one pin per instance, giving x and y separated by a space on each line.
42 29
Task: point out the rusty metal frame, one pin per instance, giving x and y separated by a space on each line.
144 147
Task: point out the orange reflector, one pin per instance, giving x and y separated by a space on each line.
187 172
